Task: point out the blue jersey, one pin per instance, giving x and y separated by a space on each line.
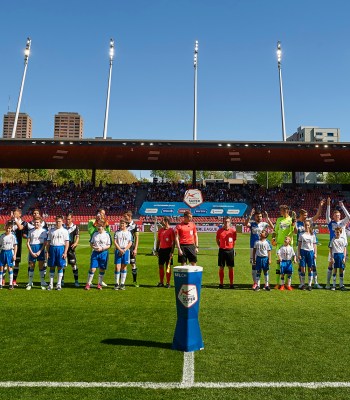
341 224
255 230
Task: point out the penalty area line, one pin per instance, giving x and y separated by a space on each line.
177 385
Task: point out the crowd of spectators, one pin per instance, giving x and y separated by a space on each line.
297 196
84 199
14 195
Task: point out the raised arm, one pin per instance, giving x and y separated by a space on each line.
319 211
328 210
346 212
271 225
247 221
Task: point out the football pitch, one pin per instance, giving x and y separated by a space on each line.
77 344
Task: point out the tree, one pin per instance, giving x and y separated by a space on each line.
74 175
171 175
270 179
35 174
210 175
115 176
338 177
175 176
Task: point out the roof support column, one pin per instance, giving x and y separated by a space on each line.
93 177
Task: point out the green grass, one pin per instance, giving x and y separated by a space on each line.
109 336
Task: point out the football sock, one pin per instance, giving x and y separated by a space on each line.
231 275
42 275
31 275
90 277
100 277
123 273
59 277
334 280
329 274
52 275
267 278
116 277
75 273
341 280
15 272
289 280
310 279
282 281
134 273
221 276
168 277
161 274
254 275
258 279
10 277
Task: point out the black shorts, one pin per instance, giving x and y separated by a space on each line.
71 257
226 257
164 256
189 254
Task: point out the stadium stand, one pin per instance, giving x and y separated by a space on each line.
84 199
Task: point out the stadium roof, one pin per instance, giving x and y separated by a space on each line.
174 155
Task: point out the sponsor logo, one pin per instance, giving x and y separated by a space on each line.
193 197
207 228
167 211
233 212
188 295
203 211
180 275
151 210
216 211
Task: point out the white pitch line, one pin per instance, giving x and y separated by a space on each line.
177 385
241 385
188 370
186 383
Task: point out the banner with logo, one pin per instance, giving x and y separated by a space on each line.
207 209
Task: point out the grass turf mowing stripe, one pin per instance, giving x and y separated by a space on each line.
177 385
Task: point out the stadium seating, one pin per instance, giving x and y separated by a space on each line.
83 200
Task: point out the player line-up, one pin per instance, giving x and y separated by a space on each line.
286 226
260 248
306 253
56 247
60 243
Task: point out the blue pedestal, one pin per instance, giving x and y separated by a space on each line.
188 282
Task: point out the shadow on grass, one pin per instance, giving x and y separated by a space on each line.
136 343
226 286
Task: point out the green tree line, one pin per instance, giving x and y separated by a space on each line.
65 175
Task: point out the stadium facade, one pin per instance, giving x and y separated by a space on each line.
313 134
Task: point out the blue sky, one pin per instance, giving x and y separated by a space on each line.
152 84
